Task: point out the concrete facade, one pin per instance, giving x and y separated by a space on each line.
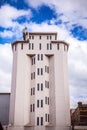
4 108
40 94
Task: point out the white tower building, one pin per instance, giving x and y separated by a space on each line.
40 95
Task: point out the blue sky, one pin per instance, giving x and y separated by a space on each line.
68 18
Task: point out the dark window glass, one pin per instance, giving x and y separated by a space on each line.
50 46
58 46
33 107
46 117
37 120
41 103
31 76
29 46
40 46
22 46
48 100
34 75
32 46
30 108
34 60
37 103
41 71
38 71
38 86
38 57
41 56
31 91
47 46
41 86
41 120
45 68
50 37
40 37
45 100
47 37
32 37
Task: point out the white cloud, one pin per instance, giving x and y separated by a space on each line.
73 11
5 67
9 14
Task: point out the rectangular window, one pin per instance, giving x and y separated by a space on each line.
45 68
34 60
37 103
34 75
47 46
38 71
40 37
41 103
29 46
46 117
33 107
50 46
37 120
38 86
45 100
31 91
30 108
58 46
32 37
41 120
40 46
47 37
48 100
41 56
47 84
31 76
41 86
50 37
22 46
38 57
41 71
32 46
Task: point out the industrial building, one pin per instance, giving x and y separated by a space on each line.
39 91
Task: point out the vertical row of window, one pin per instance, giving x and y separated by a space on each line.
46 84
31 46
32 75
39 71
40 86
32 91
40 57
46 69
39 103
47 100
32 107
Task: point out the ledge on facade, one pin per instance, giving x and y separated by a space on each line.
49 125
80 127
29 125
19 41
63 42
42 33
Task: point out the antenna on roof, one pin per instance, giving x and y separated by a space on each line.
24 33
